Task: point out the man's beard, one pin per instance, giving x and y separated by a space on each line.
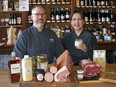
40 25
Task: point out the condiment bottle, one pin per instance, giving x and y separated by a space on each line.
27 74
80 74
34 65
14 69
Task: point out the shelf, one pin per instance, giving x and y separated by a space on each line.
10 11
107 42
106 7
100 22
18 26
53 3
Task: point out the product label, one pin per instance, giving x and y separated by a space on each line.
28 70
44 66
15 68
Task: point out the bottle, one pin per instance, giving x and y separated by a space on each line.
14 19
86 15
27 68
52 15
111 16
19 19
99 16
14 69
57 15
62 15
67 15
66 30
82 3
10 19
34 65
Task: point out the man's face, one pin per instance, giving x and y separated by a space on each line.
39 17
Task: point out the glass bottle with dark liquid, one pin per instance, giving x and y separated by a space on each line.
14 69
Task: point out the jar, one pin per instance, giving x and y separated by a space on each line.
80 74
42 62
39 74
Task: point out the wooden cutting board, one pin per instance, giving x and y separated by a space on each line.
108 77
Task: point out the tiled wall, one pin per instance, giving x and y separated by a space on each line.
4 61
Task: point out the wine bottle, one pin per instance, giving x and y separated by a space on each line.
10 19
67 15
62 15
19 19
57 15
52 15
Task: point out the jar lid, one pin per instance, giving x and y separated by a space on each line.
80 71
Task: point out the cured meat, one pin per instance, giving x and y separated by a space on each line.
90 68
48 77
62 75
64 65
53 69
65 60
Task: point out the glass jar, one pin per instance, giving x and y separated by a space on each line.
39 74
42 62
80 74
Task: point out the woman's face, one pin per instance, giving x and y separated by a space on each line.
77 22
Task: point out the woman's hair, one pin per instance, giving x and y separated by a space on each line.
79 12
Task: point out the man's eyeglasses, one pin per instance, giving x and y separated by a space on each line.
38 14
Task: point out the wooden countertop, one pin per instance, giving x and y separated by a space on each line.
4 81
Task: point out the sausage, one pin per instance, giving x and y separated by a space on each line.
53 69
48 77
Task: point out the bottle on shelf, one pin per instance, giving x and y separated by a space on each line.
10 19
19 19
62 15
57 15
67 30
14 19
82 2
52 15
67 14
111 16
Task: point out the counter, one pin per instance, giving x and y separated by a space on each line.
4 81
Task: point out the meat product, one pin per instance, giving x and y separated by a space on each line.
53 69
64 65
64 60
62 75
48 77
90 68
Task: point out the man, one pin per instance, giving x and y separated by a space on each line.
38 39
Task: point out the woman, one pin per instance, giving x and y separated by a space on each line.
89 42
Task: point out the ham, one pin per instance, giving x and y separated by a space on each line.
64 63
65 60
62 75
